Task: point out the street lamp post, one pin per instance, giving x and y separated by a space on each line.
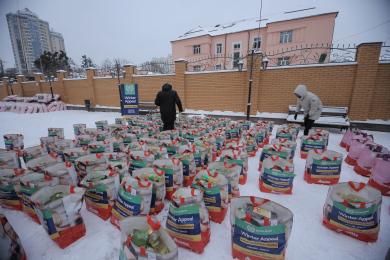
50 79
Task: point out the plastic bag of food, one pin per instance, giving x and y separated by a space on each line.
101 125
140 159
356 147
100 146
61 145
101 191
27 185
292 145
57 133
367 157
251 143
83 140
380 177
64 171
102 135
323 167
88 163
129 138
239 158
13 142
58 208
186 156
134 198
79 129
324 134
71 154
275 149
173 171
13 248
143 237
215 193
188 220
276 175
48 142
310 142
289 132
157 178
39 164
9 178
32 153
159 152
260 228
353 209
9 160
231 173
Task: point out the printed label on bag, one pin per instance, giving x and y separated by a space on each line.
212 199
96 198
358 220
326 168
310 145
184 222
126 204
278 180
258 241
168 178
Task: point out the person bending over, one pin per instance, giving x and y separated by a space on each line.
311 105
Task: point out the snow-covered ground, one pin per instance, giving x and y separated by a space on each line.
309 238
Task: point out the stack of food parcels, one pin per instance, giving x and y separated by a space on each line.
260 228
126 170
323 167
353 209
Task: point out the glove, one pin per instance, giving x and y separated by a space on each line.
295 116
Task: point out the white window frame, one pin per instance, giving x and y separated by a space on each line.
218 67
197 68
284 61
285 36
253 43
194 47
216 48
234 43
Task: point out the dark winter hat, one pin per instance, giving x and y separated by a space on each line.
166 87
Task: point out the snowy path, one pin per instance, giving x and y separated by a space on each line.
309 238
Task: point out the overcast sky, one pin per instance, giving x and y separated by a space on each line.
140 30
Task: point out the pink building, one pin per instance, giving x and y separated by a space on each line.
224 46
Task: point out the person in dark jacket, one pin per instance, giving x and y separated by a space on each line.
167 99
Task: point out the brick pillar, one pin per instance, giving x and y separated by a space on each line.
367 57
19 88
130 70
38 77
179 82
61 75
91 86
256 73
4 88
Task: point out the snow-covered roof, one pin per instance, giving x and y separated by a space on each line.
251 23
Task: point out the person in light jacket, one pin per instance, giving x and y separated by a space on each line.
311 105
167 99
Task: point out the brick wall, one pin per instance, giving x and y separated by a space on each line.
363 86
